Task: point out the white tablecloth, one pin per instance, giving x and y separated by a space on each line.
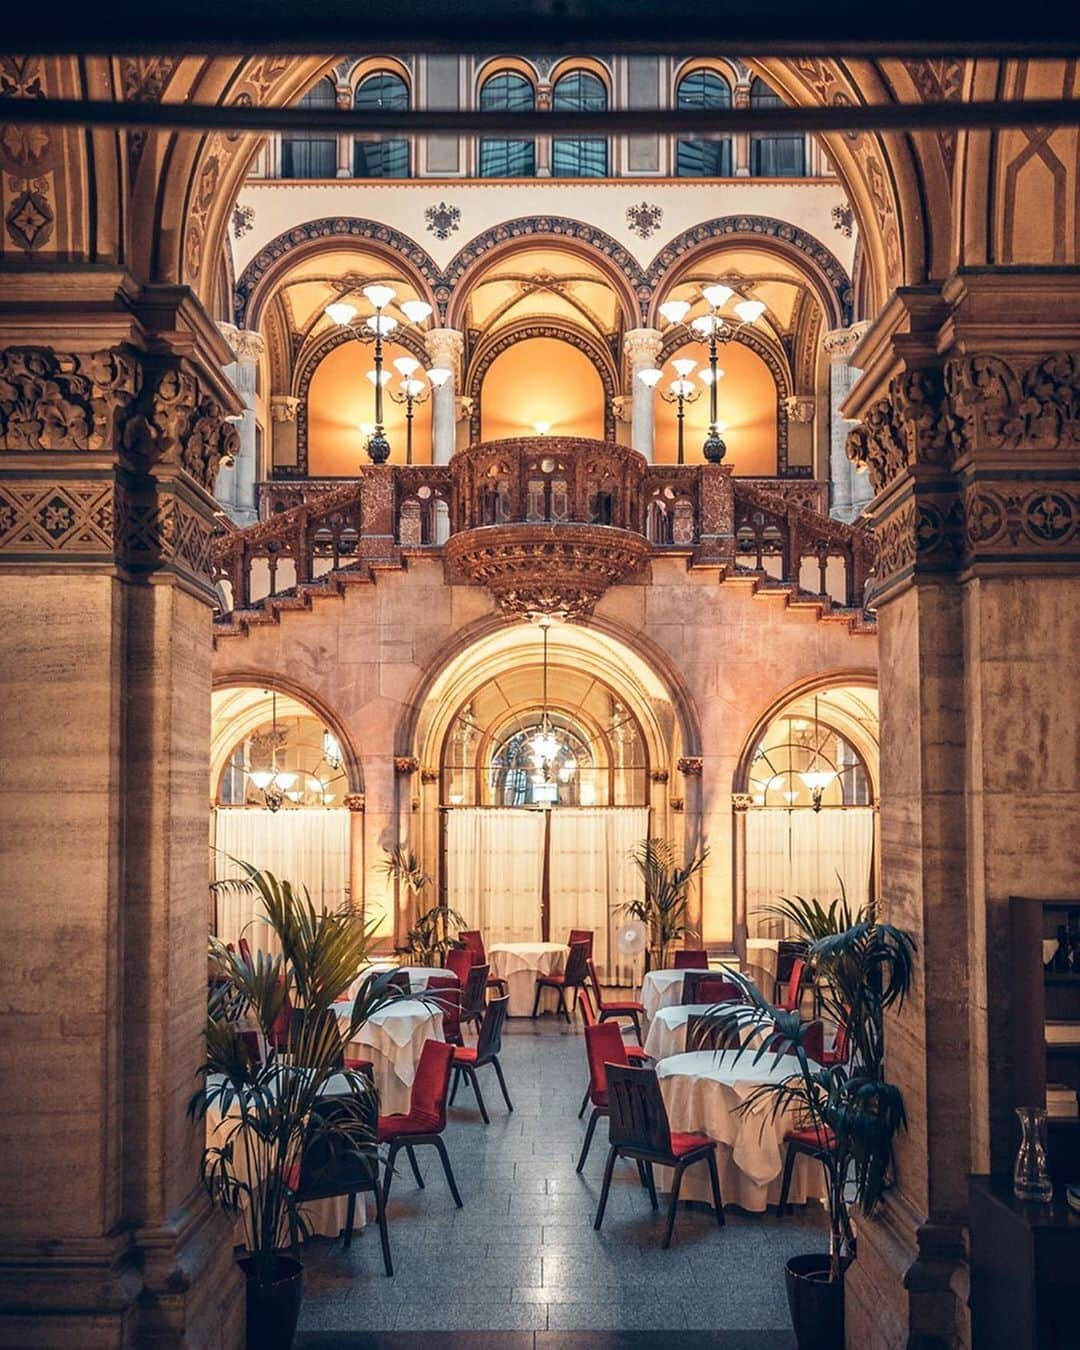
667 1030
325 1217
392 1039
702 1091
519 963
662 988
418 976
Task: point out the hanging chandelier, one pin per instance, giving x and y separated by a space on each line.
552 759
278 785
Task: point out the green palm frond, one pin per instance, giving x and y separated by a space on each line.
667 889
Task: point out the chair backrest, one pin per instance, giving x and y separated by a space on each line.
694 981
252 1041
339 1143
577 966
473 939
432 1083
475 989
459 961
787 952
594 981
712 989
636 1110
399 979
689 960
842 1044
279 1028
489 1041
447 1000
813 1039
700 1035
580 935
315 1036
603 1045
791 993
244 948
588 1012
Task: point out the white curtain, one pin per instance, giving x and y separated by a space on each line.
801 853
592 875
494 862
308 847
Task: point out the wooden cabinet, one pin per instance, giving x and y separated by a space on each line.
1025 1263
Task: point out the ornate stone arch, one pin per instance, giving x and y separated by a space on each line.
561 331
257 280
616 262
309 360
824 270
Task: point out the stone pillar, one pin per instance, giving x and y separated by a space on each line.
111 433
283 449
740 143
236 485
843 479
971 437
642 348
445 347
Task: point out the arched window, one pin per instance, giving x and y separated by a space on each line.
774 156
580 157
703 159
374 157
308 155
507 92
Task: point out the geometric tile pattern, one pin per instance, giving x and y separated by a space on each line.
54 516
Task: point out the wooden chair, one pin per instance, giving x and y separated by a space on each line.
603 1045
635 1054
788 952
425 1119
792 1000
699 988
469 1058
691 960
474 996
459 961
573 977
332 1163
626 1007
443 994
473 939
640 1130
816 1143
703 1035
581 935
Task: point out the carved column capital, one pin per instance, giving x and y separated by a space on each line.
741 801
354 801
799 408
690 765
406 764
642 347
283 408
248 345
463 406
840 343
623 407
445 347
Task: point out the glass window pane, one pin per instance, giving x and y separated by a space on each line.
586 158
380 159
507 92
308 156
774 156
382 90
703 159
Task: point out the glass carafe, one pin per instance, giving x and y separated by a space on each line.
1031 1179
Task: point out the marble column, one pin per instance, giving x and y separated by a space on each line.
236 485
109 446
445 347
642 349
849 491
968 431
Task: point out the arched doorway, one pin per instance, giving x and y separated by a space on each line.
281 780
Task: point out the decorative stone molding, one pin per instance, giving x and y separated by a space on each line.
445 347
798 408
1002 406
841 342
463 406
354 801
247 345
429 775
641 347
622 405
66 401
659 775
677 804
911 425
178 423
406 764
283 408
690 765
741 801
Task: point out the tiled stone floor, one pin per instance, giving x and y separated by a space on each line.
522 1256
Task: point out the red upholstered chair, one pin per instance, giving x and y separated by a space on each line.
627 1007
581 935
426 1117
603 1045
841 1050
689 960
244 949
474 996
635 1054
573 977
278 1037
710 989
814 1142
640 1130
792 999
332 1164
459 961
473 940
813 1039
253 1043
443 994
469 1058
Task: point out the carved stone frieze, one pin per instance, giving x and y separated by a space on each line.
1021 519
690 765
406 764
1001 407
64 401
913 424
354 801
798 408
179 423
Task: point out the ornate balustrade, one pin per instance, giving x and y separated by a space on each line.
546 523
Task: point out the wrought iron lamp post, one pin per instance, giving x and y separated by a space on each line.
375 328
716 330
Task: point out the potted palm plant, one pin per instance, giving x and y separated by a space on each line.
429 939
262 1102
860 972
667 893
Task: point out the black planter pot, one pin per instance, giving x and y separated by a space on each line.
816 1303
273 1309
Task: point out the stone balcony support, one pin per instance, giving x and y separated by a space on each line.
969 430
114 422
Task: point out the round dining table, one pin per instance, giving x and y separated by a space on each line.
663 988
392 1038
519 964
326 1218
703 1091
